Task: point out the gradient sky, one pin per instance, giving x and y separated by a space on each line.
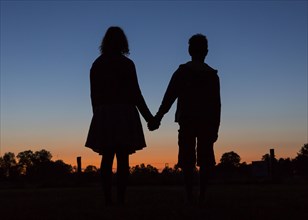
258 47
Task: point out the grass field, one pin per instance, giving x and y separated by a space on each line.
264 201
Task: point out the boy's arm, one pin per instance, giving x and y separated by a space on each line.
217 106
170 96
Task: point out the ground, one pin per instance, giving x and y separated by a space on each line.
225 201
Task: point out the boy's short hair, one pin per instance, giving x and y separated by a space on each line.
198 45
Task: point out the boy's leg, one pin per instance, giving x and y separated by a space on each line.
187 157
204 181
206 162
188 181
122 176
106 172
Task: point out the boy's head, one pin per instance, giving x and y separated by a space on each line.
198 46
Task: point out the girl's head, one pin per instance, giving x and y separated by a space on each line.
114 42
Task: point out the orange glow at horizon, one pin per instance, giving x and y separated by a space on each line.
158 156
161 147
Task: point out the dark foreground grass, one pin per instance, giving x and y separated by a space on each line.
264 201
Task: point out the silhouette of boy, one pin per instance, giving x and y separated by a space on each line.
196 87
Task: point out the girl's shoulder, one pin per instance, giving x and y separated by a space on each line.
126 60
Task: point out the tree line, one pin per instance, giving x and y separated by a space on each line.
39 165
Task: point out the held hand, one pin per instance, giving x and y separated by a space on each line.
153 124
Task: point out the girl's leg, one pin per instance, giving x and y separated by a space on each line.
106 172
122 176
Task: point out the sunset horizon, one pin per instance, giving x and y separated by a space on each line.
258 48
91 158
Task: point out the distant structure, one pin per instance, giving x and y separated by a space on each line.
78 164
272 162
264 168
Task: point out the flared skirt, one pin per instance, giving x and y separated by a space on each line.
115 127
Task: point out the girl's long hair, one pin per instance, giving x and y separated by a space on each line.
114 42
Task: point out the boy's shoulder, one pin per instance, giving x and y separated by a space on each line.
196 67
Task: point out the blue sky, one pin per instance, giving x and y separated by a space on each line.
259 49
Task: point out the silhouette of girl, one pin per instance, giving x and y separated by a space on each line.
115 127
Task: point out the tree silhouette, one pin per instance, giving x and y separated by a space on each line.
167 171
34 164
39 166
2 170
171 176
303 151
91 169
9 164
144 174
144 170
301 161
42 156
25 161
151 170
230 159
284 167
266 158
59 168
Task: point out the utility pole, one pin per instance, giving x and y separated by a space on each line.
272 163
79 165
